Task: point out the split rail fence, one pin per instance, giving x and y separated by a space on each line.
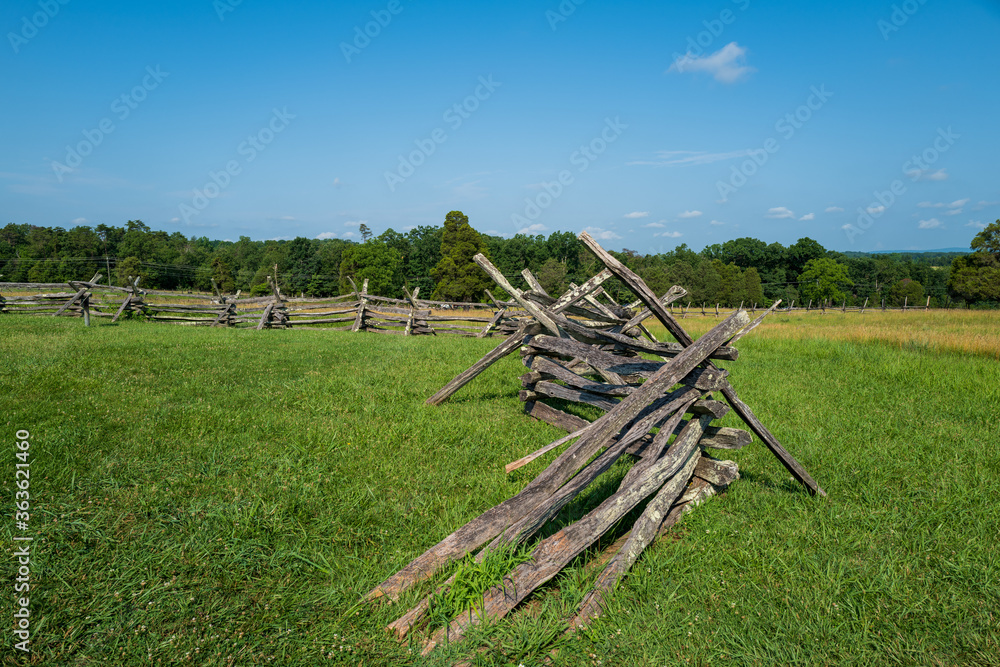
356 311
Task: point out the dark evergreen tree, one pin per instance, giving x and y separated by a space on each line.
457 275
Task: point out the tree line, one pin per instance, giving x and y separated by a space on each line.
439 261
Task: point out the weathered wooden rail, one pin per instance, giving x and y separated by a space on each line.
356 311
659 411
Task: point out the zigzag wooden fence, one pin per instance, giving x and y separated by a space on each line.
356 311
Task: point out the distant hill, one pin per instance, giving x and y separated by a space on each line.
961 251
943 253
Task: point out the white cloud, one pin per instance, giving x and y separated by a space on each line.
287 218
327 235
281 238
976 224
351 235
175 219
688 158
716 222
927 175
954 211
875 210
834 209
808 216
929 224
79 221
653 224
637 214
847 226
983 204
409 228
669 235
727 65
958 203
689 214
532 229
355 223
337 183
601 234
779 212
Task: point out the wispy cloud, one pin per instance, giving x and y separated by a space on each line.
808 216
669 235
928 174
532 229
327 235
79 221
779 212
685 215
834 209
875 210
653 224
355 223
716 222
601 234
637 214
976 224
958 203
929 224
983 204
689 158
727 65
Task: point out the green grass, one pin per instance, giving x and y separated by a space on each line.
226 497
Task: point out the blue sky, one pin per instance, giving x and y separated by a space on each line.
863 125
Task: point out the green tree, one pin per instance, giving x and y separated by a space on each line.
552 276
377 262
907 291
822 279
457 275
975 278
752 290
988 240
800 253
130 266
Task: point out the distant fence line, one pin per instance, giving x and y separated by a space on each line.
356 311
820 307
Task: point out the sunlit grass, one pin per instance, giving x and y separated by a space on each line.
225 497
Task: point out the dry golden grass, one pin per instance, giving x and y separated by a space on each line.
970 332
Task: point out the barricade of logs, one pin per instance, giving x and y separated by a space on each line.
660 412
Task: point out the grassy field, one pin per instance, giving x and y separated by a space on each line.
225 497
